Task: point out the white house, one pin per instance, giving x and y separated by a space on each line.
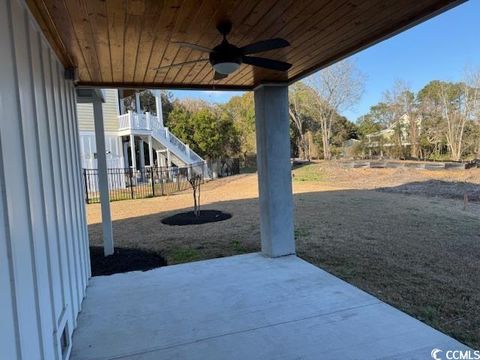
398 128
124 130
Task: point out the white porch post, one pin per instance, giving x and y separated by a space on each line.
142 154
160 159
125 154
138 108
169 159
132 153
103 177
158 106
150 151
274 170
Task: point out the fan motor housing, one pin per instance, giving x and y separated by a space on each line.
225 53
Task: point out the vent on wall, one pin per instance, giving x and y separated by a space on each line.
65 342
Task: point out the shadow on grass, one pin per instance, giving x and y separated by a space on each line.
438 188
418 254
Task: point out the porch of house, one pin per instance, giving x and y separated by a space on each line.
262 306
244 307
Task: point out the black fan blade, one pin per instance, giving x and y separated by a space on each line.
179 64
265 45
192 46
218 76
266 63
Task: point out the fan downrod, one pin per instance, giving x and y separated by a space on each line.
224 27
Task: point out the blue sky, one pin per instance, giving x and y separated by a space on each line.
439 48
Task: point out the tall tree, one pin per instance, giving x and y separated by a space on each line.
404 100
209 132
299 95
367 125
334 90
456 105
241 109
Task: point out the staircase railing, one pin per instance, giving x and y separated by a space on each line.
134 121
164 133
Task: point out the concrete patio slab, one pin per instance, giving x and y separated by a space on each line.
244 307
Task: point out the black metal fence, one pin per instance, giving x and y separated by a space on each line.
141 183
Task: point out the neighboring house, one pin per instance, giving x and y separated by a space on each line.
127 130
386 138
113 142
394 136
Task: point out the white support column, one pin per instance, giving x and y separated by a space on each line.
132 153
274 170
169 159
147 120
158 106
150 151
125 155
138 108
130 119
103 178
142 154
160 159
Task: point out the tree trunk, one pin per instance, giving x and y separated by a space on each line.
195 207
304 148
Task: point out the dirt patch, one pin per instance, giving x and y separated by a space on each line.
123 260
418 253
189 218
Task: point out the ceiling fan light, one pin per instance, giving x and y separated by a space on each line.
226 67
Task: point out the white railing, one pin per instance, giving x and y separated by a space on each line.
148 122
134 121
124 121
139 122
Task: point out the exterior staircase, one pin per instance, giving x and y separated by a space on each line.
145 125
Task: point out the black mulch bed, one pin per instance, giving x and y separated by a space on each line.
189 218
123 260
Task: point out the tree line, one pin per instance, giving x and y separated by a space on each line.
441 121
217 131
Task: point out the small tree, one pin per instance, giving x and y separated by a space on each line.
333 90
195 181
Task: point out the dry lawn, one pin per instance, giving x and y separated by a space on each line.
403 235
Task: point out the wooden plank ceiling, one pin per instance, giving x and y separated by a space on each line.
119 43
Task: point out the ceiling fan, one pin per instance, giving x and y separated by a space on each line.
226 58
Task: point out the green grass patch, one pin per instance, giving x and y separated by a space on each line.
311 172
238 247
183 255
301 232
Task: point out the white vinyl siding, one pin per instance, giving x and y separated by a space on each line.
44 256
110 113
